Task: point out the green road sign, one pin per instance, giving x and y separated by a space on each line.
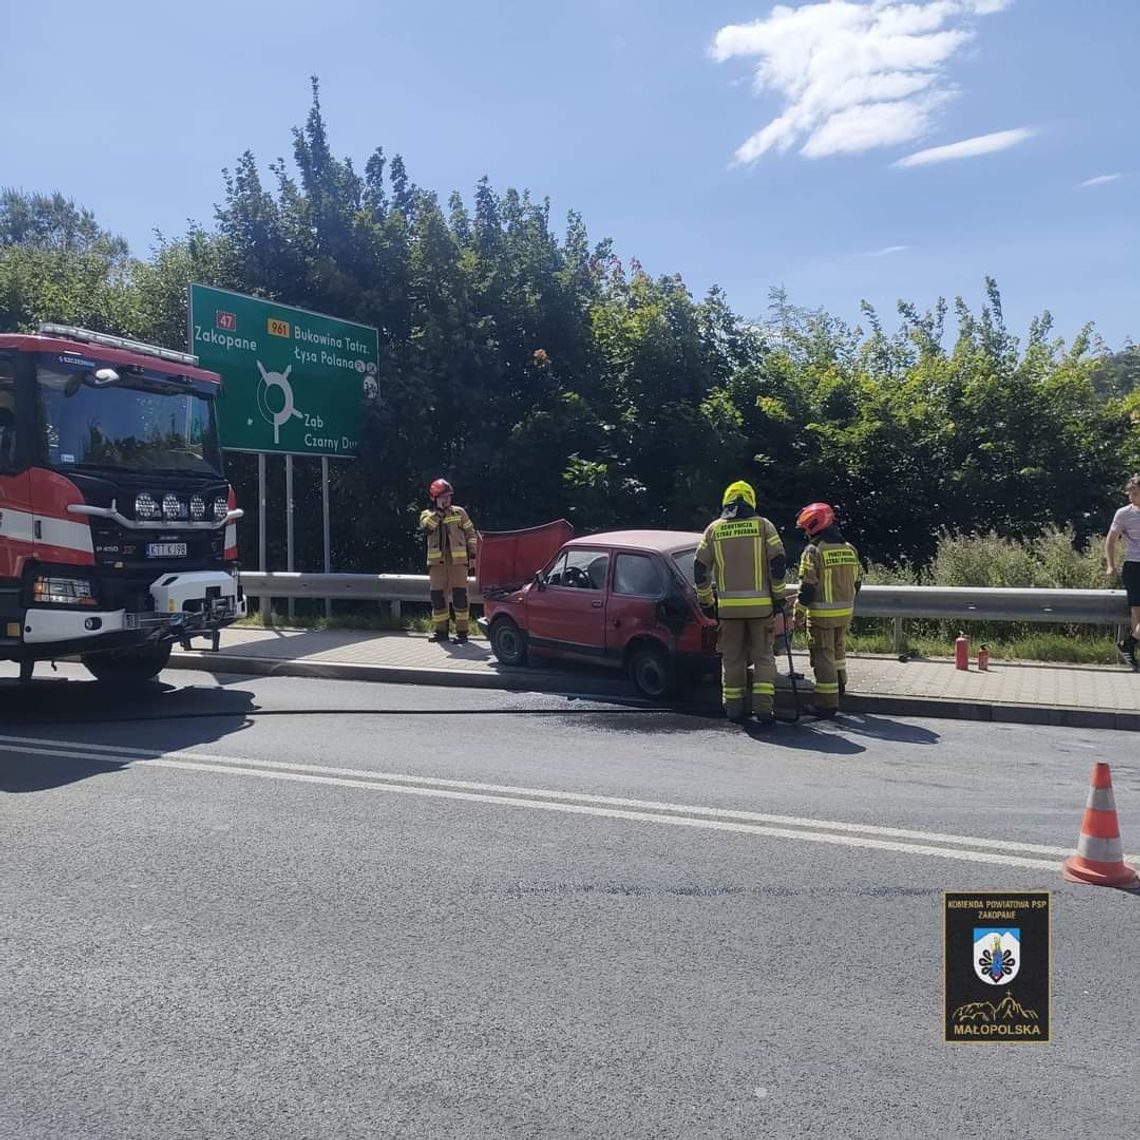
294 380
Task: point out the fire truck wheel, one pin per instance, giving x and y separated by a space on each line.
129 666
508 642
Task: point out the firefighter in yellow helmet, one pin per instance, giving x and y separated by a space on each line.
743 553
451 549
830 577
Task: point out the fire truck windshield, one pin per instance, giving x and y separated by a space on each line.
133 421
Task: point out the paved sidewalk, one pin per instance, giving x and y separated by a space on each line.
1083 696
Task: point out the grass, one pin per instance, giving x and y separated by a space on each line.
1051 647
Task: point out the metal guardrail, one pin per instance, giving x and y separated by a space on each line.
958 603
391 588
970 603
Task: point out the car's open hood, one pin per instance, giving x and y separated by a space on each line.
509 558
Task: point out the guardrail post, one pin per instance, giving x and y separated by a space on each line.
396 609
900 636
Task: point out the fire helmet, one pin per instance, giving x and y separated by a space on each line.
440 487
814 518
739 490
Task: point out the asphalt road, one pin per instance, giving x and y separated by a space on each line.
270 907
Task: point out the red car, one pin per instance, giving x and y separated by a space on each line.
623 599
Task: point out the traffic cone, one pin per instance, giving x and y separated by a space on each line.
1099 859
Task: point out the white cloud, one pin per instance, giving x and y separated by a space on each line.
852 74
886 251
968 148
1100 180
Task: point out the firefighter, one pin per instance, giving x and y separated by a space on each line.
830 577
744 553
451 549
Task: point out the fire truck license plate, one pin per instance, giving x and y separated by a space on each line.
166 550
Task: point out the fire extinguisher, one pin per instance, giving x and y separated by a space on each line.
983 659
962 652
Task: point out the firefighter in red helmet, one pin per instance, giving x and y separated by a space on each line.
451 549
830 577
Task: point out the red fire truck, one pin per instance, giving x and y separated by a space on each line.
118 531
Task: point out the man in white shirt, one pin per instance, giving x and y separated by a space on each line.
1126 527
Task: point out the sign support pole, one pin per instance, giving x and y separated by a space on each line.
261 515
289 521
328 543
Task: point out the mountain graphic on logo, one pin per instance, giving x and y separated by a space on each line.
986 1013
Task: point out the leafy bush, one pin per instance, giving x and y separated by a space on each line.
1053 560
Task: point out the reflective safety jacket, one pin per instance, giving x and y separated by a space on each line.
747 559
832 575
450 536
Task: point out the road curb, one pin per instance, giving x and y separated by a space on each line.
515 680
534 680
996 712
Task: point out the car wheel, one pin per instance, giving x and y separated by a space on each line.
651 670
508 642
128 666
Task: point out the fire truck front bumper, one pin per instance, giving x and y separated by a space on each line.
185 605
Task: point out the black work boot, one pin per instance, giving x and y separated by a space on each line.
1126 647
766 720
440 637
461 637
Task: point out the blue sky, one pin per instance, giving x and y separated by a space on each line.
647 117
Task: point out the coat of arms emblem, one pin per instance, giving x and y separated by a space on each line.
997 954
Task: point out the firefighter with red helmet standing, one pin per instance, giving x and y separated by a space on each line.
745 554
830 577
451 549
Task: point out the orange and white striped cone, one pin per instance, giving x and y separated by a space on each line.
1099 859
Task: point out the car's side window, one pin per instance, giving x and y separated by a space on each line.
638 574
553 576
579 570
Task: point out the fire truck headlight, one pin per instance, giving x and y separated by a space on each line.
221 509
197 508
145 506
173 507
59 591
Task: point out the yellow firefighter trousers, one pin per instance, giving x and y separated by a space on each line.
828 662
741 640
447 582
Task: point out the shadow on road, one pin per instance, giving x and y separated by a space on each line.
804 736
882 728
183 718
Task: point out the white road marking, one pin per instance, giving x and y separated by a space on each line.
575 803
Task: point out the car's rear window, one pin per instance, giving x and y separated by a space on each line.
685 560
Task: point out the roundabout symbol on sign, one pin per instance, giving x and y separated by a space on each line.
270 380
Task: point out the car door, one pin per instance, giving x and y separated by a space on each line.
638 586
567 613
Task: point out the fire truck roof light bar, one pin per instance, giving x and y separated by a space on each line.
70 332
